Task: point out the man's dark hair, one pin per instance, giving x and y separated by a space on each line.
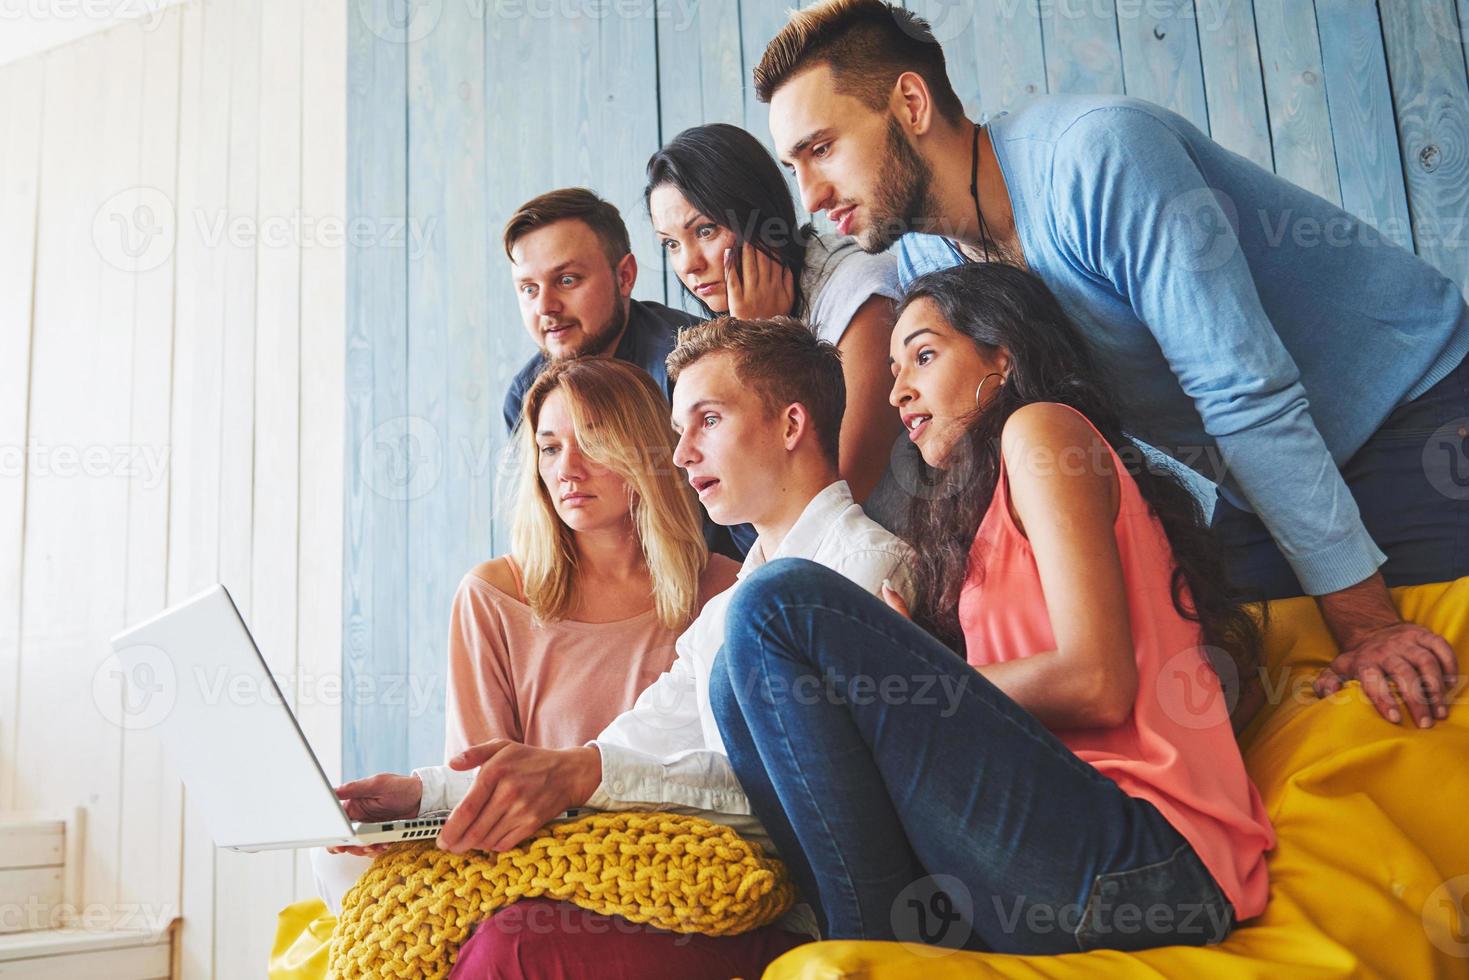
574 204
867 44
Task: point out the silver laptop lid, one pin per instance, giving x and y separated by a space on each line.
226 726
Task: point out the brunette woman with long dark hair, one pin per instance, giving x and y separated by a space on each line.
1041 759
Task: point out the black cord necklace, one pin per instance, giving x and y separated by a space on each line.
984 233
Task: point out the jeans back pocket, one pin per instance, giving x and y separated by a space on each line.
1173 902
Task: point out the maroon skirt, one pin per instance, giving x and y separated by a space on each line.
542 939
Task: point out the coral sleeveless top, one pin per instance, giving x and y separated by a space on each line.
1176 750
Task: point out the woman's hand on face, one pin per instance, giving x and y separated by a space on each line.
757 285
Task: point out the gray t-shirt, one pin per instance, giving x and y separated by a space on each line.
838 278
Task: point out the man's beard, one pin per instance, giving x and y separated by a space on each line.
604 338
903 198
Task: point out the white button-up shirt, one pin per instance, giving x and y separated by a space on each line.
667 749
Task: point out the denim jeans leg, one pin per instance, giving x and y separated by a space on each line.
1253 561
751 769
871 733
1411 484
888 863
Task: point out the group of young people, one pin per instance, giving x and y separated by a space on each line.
868 560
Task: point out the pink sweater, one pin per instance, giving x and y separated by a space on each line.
555 685
1176 750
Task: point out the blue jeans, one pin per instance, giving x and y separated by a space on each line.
1411 484
912 800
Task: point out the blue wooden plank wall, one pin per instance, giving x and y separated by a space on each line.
462 109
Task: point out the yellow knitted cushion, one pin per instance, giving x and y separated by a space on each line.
409 913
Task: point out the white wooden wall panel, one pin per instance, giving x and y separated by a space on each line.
199 364
71 582
323 400
148 862
21 97
171 319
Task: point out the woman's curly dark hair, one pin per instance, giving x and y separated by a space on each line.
1003 307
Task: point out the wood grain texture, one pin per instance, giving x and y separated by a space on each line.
1232 81
760 21
380 454
1160 57
197 406
258 444
72 589
1425 58
161 353
702 78
1083 54
323 395
598 112
1300 126
148 868
1359 97
448 356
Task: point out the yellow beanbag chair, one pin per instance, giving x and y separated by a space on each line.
1371 872
303 938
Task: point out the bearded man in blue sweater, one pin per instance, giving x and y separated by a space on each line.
1255 332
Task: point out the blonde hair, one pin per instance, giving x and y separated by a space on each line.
620 418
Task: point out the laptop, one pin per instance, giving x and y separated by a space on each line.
232 735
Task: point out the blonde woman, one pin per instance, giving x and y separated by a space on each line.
607 565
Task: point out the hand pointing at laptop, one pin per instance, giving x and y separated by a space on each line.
517 790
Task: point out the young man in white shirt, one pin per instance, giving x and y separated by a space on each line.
758 408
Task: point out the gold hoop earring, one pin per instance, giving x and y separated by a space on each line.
984 381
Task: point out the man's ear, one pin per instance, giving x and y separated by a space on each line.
626 273
797 425
912 103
